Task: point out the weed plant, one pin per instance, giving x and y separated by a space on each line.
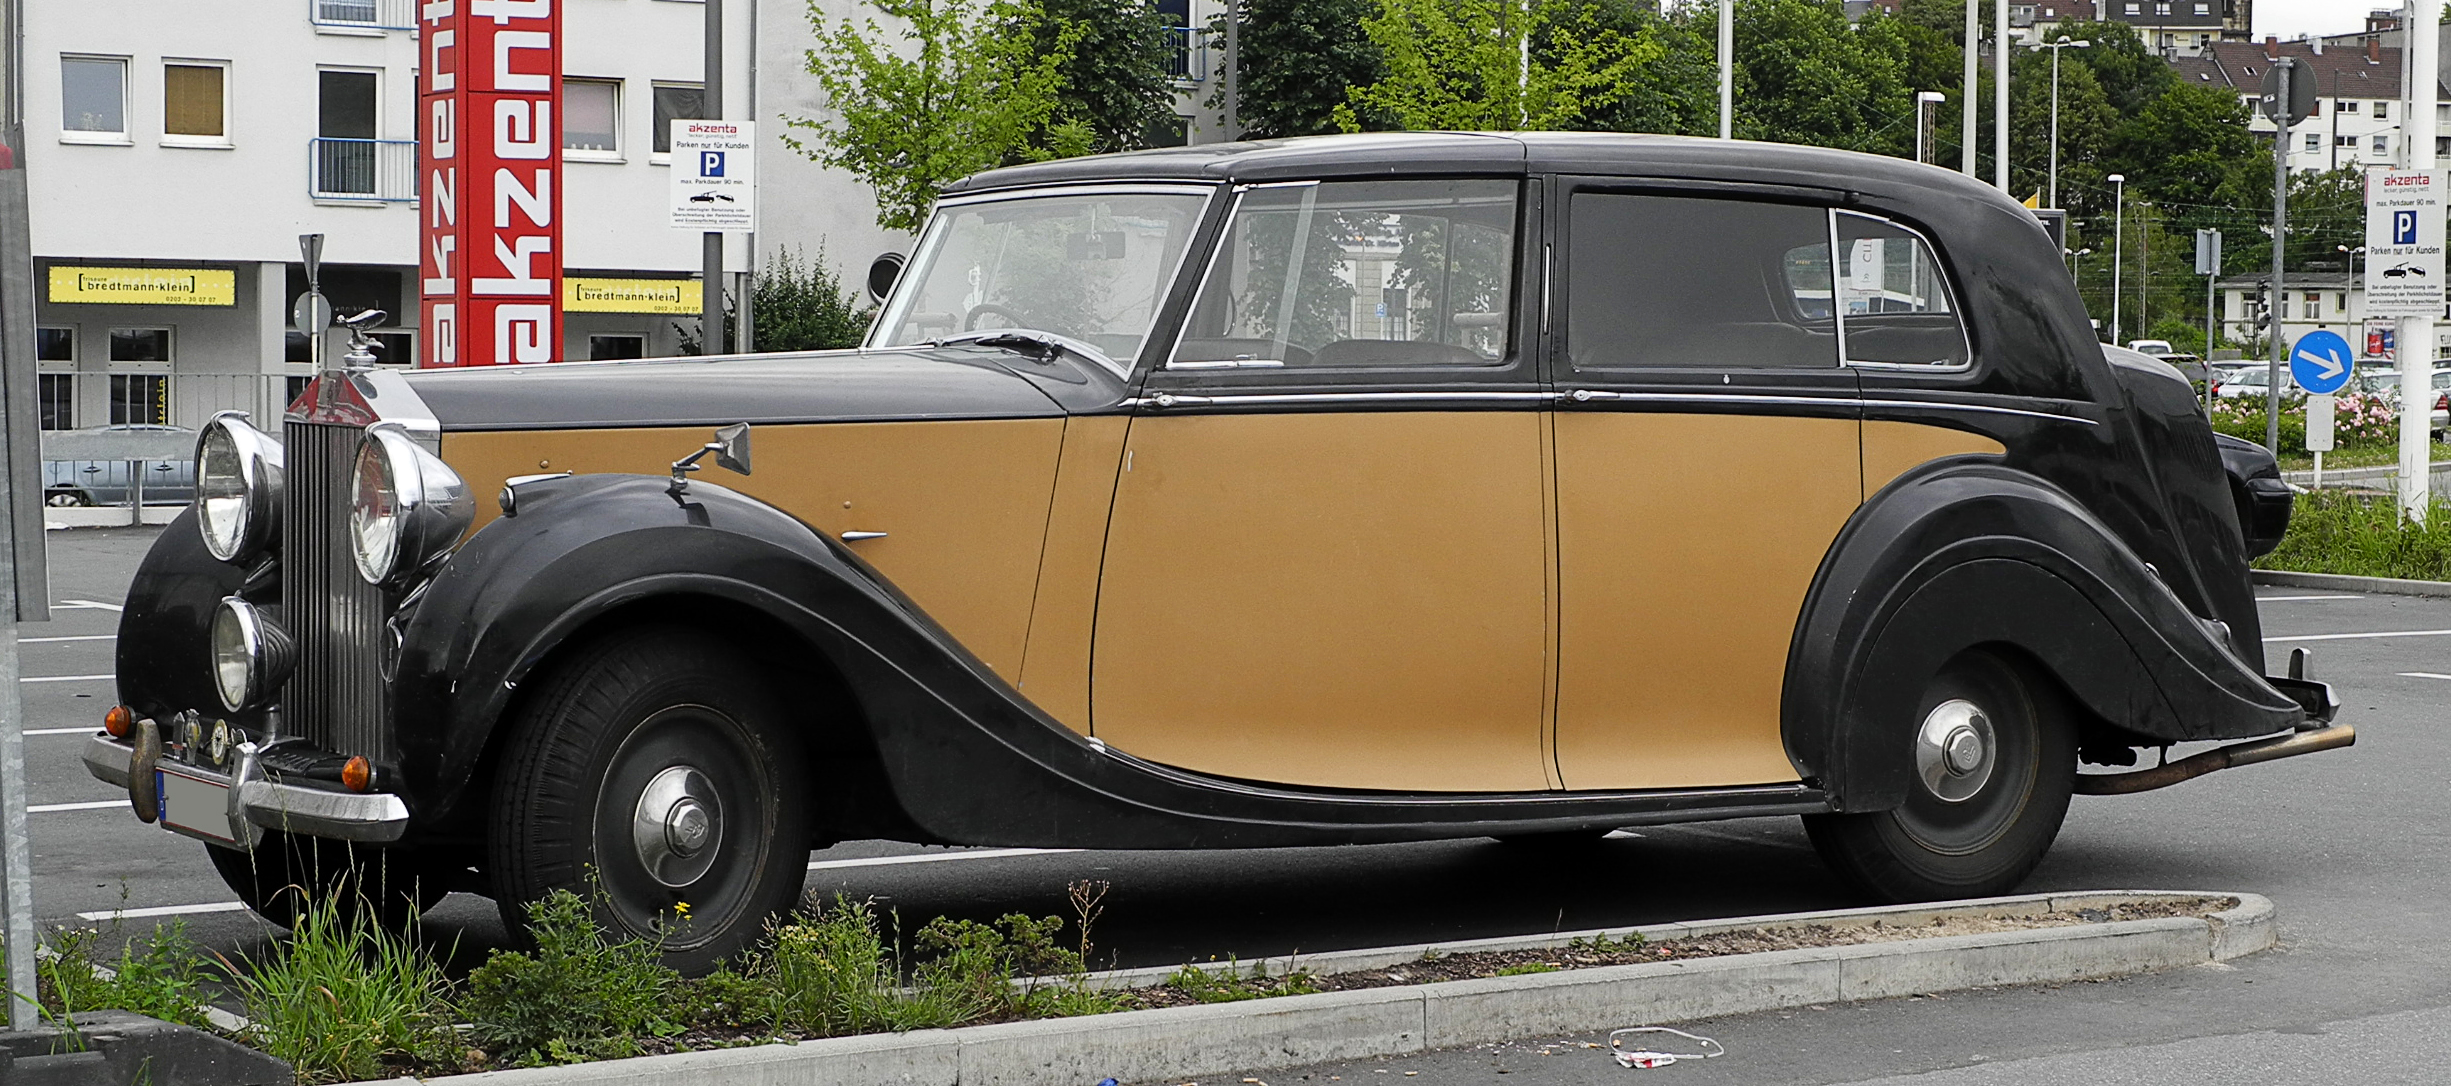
160 976
2362 535
579 996
342 999
1231 984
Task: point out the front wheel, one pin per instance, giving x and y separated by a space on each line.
1994 762
647 776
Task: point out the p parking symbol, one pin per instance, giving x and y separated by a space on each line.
710 164
2404 228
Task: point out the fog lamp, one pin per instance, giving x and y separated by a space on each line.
252 655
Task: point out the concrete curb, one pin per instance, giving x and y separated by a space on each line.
2334 582
1291 1031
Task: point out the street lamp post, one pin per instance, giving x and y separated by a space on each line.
1924 101
2119 240
2055 47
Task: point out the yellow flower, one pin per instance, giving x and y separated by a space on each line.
680 909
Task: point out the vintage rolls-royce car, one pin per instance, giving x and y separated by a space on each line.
1337 490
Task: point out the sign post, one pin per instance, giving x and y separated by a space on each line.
2208 265
2418 123
490 150
25 593
2288 97
2321 363
2404 272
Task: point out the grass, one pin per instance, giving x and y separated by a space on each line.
2363 456
1230 984
160 976
2363 535
343 1000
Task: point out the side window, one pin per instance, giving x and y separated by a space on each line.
1894 301
1697 283
1365 273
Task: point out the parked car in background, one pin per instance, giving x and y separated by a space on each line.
2242 381
108 482
2154 347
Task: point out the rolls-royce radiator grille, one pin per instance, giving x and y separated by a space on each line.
335 697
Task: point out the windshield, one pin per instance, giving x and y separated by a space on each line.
1091 266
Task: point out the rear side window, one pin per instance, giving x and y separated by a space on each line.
1359 273
1698 283
1895 302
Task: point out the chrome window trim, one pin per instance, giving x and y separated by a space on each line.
1172 399
933 234
1948 286
1584 395
1581 395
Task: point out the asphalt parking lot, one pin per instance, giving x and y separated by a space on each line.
2350 845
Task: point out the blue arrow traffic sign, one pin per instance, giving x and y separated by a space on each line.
2321 362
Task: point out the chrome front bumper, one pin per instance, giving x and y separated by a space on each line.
258 803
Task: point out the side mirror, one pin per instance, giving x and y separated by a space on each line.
883 272
732 447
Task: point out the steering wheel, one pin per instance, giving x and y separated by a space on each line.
970 320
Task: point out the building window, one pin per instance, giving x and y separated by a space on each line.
55 345
140 399
2314 306
2382 144
2382 111
345 149
616 347
195 103
140 344
94 98
2161 8
2204 9
675 102
55 397
2136 9
2314 141
2346 141
591 118
2347 105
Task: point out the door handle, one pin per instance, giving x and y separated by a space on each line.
1586 395
854 537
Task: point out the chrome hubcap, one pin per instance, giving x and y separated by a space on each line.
1955 751
677 825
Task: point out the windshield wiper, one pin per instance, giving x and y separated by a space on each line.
1031 341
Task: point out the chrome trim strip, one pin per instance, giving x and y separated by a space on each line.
107 759
1957 306
1582 395
1171 399
1799 793
1982 409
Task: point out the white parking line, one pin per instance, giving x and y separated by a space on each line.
64 678
97 605
61 731
88 805
2295 599
935 857
167 910
2423 675
55 640
2361 636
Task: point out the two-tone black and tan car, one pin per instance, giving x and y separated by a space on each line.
1340 490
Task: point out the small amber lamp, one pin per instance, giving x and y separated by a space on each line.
118 721
357 774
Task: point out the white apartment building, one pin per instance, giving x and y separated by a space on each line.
2358 98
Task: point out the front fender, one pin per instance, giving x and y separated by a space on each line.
1965 554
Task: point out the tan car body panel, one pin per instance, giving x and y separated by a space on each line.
1055 670
964 503
1347 600
1685 546
1891 449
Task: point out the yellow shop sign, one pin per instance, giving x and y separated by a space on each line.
679 297
144 286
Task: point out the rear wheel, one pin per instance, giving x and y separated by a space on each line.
647 776
1994 766
286 875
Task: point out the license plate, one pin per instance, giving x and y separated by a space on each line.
199 807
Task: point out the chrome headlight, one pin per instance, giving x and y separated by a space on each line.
406 508
252 655
238 487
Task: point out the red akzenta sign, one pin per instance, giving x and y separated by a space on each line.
490 152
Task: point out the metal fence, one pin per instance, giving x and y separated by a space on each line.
98 401
1189 63
371 14
355 169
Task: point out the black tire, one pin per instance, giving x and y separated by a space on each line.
1995 826
388 887
67 499
672 712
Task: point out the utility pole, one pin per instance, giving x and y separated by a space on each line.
2417 333
1965 128
1999 94
2055 48
1231 120
25 594
1727 69
2280 231
1924 101
2119 242
711 340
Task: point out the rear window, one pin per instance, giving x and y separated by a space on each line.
1692 282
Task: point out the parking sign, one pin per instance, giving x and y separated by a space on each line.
2404 243
714 175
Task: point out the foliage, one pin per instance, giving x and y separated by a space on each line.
968 88
344 999
160 976
1300 61
2363 535
579 996
835 973
800 304
1229 983
1118 83
1461 65
2359 420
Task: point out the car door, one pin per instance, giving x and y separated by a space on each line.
1707 454
1326 562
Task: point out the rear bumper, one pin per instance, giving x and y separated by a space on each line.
259 803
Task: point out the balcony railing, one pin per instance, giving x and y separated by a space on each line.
1190 60
354 169
368 14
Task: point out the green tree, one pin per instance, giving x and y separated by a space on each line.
1465 65
1675 92
1300 59
2086 122
801 305
2130 75
1118 82
1808 76
970 88
2189 144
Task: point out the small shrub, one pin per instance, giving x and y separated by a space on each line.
728 999
580 996
833 974
1231 984
973 968
160 976
346 1000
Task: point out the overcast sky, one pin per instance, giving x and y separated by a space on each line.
2290 18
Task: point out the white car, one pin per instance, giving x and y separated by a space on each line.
2155 347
